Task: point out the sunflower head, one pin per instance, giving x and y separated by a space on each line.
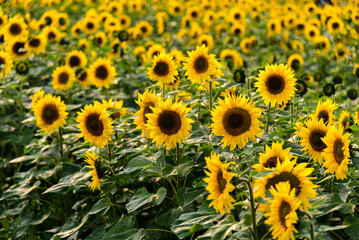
96 171
102 73
114 105
36 97
219 186
6 63
163 69
325 110
76 59
276 84
63 78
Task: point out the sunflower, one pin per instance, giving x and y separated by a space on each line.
163 69
83 45
168 124
172 85
36 44
145 28
155 50
146 101
102 73
3 19
76 59
219 186
114 105
325 110
295 61
312 134
232 58
337 154
200 66
238 30
6 62
236 14
322 44
95 124
340 51
90 25
15 27
282 213
100 39
63 20
17 48
335 25
246 45
50 113
236 120
63 78
356 118
276 84
298 177
36 97
125 21
344 120
96 172
268 160
274 27
177 56
207 40
175 8
51 33
311 32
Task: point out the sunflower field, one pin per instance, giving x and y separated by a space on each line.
179 119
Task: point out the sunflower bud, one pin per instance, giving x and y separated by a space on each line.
22 67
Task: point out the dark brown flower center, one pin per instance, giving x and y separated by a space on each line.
194 14
236 121
35 42
237 31
74 61
300 26
323 115
271 162
312 33
221 182
90 25
2 61
284 177
144 29
338 151
63 78
19 48
50 114
284 210
177 9
146 110
275 84
51 35
82 76
101 72
315 140
295 64
169 122
161 69
94 125
15 29
98 169
201 64
335 25
237 16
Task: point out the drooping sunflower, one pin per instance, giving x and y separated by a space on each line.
325 110
344 120
169 124
36 97
102 73
276 84
232 58
219 186
15 27
36 44
298 177
76 59
312 134
50 113
236 120
6 62
295 61
282 213
96 172
63 78
200 65
146 100
95 124
268 160
17 48
163 69
114 105
336 155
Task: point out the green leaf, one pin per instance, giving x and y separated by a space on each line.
101 206
124 229
28 218
333 202
167 216
193 194
221 230
23 159
352 224
143 197
72 224
139 163
189 223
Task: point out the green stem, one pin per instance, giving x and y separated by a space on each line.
210 95
253 209
60 143
311 226
268 117
356 182
163 90
178 153
330 181
21 106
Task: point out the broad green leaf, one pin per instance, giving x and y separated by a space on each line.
166 216
125 230
72 224
143 197
138 163
101 206
221 229
352 225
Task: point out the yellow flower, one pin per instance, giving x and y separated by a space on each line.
76 59
82 76
168 124
36 97
114 105
276 84
163 69
50 113
282 213
236 120
37 44
6 62
95 124
295 62
96 172
219 185
356 118
63 78
102 73
344 120
200 66
337 154
269 159
298 177
15 27
325 110
17 48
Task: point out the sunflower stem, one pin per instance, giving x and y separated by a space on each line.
178 153
21 106
311 226
356 182
268 117
60 143
253 209
210 95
